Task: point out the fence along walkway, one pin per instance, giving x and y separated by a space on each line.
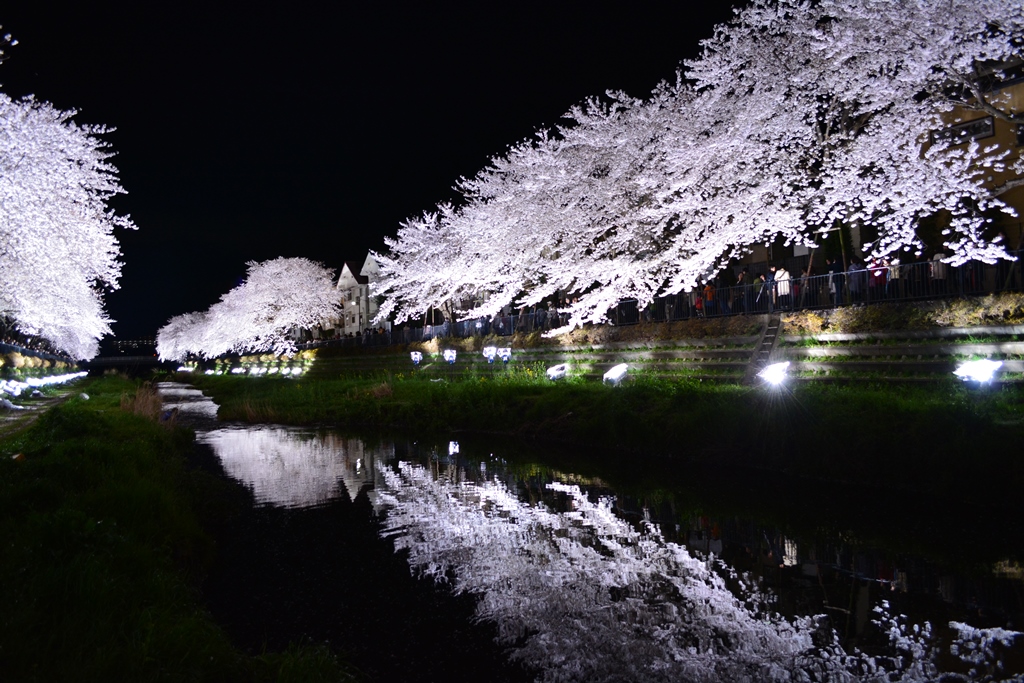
869 285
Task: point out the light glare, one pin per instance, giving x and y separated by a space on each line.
978 370
775 373
616 374
558 371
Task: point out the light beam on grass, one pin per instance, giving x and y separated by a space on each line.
978 370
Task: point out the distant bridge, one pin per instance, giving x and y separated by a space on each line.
126 363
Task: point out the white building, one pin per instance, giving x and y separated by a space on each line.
358 305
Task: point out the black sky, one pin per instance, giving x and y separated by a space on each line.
249 131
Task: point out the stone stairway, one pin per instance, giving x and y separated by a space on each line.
763 351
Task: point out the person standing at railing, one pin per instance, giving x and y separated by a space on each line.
783 288
726 290
836 281
746 283
765 294
894 288
877 278
710 307
807 291
938 271
855 278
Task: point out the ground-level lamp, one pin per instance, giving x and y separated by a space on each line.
490 352
505 354
558 371
449 355
416 357
774 374
616 375
978 370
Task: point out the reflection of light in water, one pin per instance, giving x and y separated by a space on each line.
187 400
584 596
292 468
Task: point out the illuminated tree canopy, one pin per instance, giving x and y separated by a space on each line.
276 297
797 118
57 248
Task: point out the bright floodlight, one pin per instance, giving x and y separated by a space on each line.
505 354
775 373
416 357
978 370
184 368
616 374
558 371
449 355
453 447
490 352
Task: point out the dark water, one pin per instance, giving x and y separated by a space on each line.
509 571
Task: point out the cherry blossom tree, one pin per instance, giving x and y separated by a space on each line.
57 248
276 298
797 118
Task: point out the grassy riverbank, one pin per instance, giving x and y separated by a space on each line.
107 537
946 440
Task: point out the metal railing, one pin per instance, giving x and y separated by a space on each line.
869 284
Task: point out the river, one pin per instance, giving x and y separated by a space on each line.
435 560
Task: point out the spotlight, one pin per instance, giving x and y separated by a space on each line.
775 373
505 354
489 353
416 357
558 371
978 370
616 374
449 355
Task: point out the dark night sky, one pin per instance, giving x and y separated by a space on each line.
247 132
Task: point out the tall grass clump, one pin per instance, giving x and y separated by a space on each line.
144 401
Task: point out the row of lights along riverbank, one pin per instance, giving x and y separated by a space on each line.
490 353
980 371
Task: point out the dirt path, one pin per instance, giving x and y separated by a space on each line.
13 421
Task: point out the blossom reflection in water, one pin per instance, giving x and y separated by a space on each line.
581 595
294 468
585 596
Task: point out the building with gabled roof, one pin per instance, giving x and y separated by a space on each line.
358 306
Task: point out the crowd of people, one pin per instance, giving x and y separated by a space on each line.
758 288
855 283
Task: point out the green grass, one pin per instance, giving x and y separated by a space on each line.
103 548
943 438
